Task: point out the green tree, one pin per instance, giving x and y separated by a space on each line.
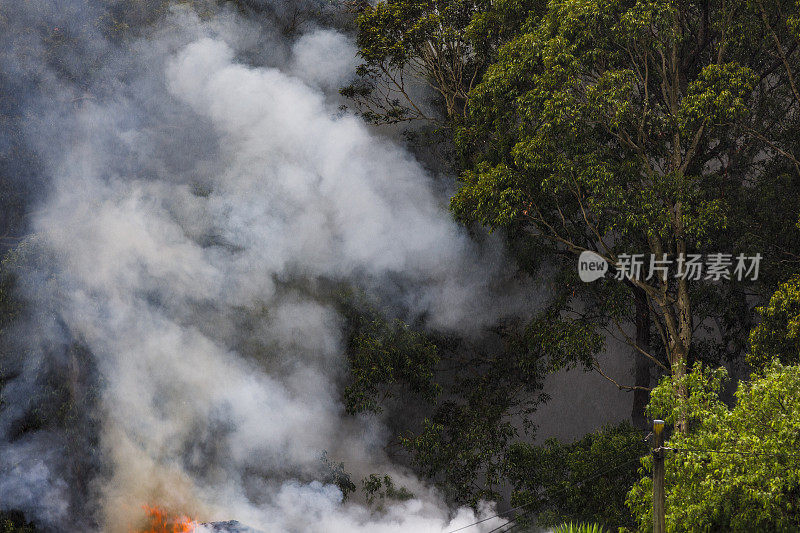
736 469
623 127
442 46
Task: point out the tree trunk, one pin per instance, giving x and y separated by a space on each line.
682 343
641 364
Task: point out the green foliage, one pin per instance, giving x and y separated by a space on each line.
585 481
751 479
464 442
566 115
386 356
445 44
570 527
10 307
9 304
379 489
463 404
718 97
634 127
620 127
486 413
398 38
14 522
335 474
778 333
563 343
469 404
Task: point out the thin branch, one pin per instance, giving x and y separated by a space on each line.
615 382
638 348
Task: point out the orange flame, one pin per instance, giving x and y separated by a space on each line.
158 521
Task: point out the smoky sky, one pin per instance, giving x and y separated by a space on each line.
185 181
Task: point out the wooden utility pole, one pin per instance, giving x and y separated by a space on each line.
658 477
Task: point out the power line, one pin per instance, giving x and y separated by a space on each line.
498 515
732 452
509 523
513 526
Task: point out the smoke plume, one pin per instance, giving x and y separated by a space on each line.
199 185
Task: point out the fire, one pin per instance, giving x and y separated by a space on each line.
159 521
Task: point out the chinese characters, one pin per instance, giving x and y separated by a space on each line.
695 267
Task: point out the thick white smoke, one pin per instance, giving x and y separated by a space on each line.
184 211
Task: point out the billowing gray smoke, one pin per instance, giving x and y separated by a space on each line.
200 186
